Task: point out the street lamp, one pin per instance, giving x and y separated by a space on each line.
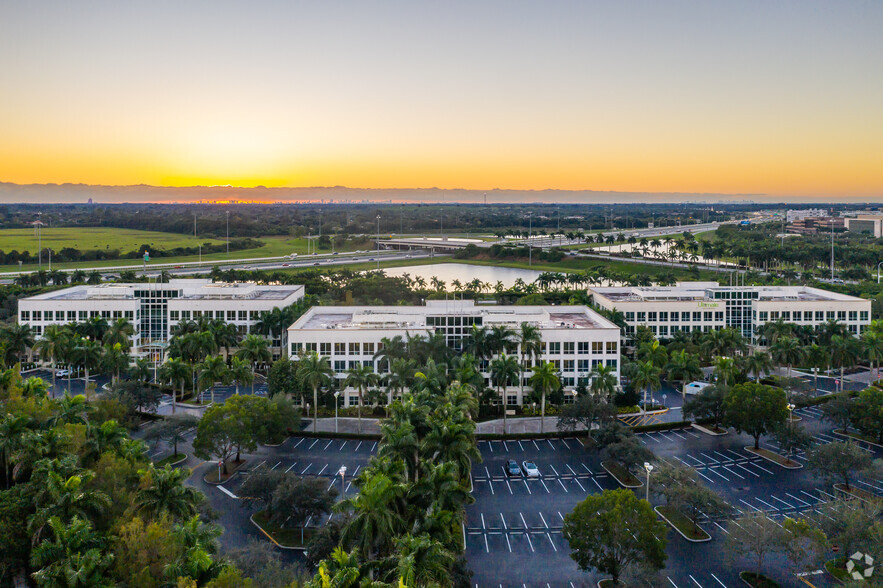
529 233
791 408
342 473
378 241
649 467
336 396
228 232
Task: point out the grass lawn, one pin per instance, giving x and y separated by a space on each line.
130 239
837 568
286 537
758 580
170 459
621 474
682 523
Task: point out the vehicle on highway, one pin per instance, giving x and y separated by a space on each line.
178 267
336 253
530 469
317 263
285 264
372 259
512 468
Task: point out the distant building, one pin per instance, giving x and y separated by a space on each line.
706 306
869 223
155 308
575 338
813 225
793 215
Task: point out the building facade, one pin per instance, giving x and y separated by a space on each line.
793 215
575 338
871 224
704 306
155 308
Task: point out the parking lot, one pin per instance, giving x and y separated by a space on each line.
513 531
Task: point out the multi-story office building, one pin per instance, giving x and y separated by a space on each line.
703 306
154 308
575 338
793 215
872 224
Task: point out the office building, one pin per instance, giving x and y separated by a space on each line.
704 306
575 338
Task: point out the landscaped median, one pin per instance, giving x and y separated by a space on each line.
682 524
284 538
772 456
231 468
171 460
625 478
758 580
857 437
859 493
710 430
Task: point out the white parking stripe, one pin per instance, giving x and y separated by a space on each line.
672 582
525 485
542 518
314 442
580 485
718 581
374 446
302 439
359 445
322 470
766 503
694 580
306 468
563 486
597 484
328 445
782 501
734 473
544 486
566 444
290 467
553 544
342 446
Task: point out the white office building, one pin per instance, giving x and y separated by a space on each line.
575 338
703 306
793 215
154 308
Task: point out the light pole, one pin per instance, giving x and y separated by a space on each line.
529 233
791 408
336 404
378 241
649 467
228 232
342 473
878 271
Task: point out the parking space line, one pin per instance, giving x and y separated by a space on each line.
526 534
276 466
672 582
732 472
750 505
302 439
714 471
373 447
535 445
718 580
542 518
578 484
553 544
552 445
506 447
314 442
509 486
486 548
508 544
554 470
760 467
597 484
328 445
736 465
490 445
322 470
797 499
525 485
342 446
725 458
567 465
701 463
483 526
358 467
290 467
306 468
782 501
502 518
544 486
694 580
359 445
563 486
587 469
521 446
566 444
678 434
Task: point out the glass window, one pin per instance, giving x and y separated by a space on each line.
853 315
597 346
697 316
174 315
339 365
231 315
59 315
663 331
764 316
568 365
325 349
72 315
340 349
554 347
630 316
829 315
367 348
841 315
26 315
863 315
786 315
651 316
820 315
663 316
685 317
569 347
38 315
583 347
311 347
719 315
582 365
611 347
642 317
354 349
612 363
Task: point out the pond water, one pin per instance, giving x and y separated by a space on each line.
448 272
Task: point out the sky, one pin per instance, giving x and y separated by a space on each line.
745 97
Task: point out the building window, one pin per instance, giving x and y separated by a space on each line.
583 347
829 315
254 315
569 347
642 317
663 316
719 315
26 315
651 316
706 316
697 316
339 365
38 315
511 399
863 315
611 363
117 314
557 364
354 349
853 315
72 315
663 331
554 347
630 316
685 317
325 349
311 347
174 315
841 315
582 365
568 365
597 347
367 348
59 315
820 315
611 347
786 315
340 349
231 315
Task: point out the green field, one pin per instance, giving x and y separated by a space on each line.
130 239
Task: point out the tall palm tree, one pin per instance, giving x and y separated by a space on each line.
758 363
479 342
18 339
502 337
254 349
213 370
360 377
174 371
163 492
844 352
725 369
115 360
646 378
787 351
544 380
422 561
240 372
817 357
66 497
120 332
872 349
52 346
604 380
505 371
13 433
530 344
377 511
70 409
315 372
401 373
683 367
88 354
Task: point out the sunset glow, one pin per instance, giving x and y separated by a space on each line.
768 98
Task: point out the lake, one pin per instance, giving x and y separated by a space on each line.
448 272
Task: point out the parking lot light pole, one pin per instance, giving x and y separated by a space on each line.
342 473
336 396
649 467
791 408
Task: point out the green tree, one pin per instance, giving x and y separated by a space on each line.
173 430
684 491
314 372
240 372
707 404
505 371
758 363
360 377
544 380
755 409
422 561
612 530
646 378
74 557
683 367
255 350
787 351
376 515
174 371
867 413
162 492
586 411
52 346
213 370
282 378
838 461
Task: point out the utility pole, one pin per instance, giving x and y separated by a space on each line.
194 224
228 232
832 247
378 241
529 234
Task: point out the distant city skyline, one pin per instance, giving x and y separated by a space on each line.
685 99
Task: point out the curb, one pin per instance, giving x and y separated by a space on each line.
752 451
673 526
233 473
702 429
270 537
847 435
618 481
851 493
179 462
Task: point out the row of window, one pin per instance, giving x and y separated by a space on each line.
663 316
70 316
553 347
663 331
807 315
228 315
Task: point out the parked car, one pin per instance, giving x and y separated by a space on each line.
62 373
530 469
512 468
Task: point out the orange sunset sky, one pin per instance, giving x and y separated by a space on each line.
780 98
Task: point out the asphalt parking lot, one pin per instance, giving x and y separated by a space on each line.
513 530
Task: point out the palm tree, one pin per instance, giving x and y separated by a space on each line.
504 372
314 371
817 357
377 515
119 332
872 349
401 372
254 349
52 346
13 433
74 557
115 360
212 371
646 377
683 367
544 380
530 343
66 497
88 354
844 351
18 339
604 380
787 351
758 363
479 343
725 369
422 561
140 370
175 371
71 409
400 443
163 492
240 372
501 338
360 377
104 437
